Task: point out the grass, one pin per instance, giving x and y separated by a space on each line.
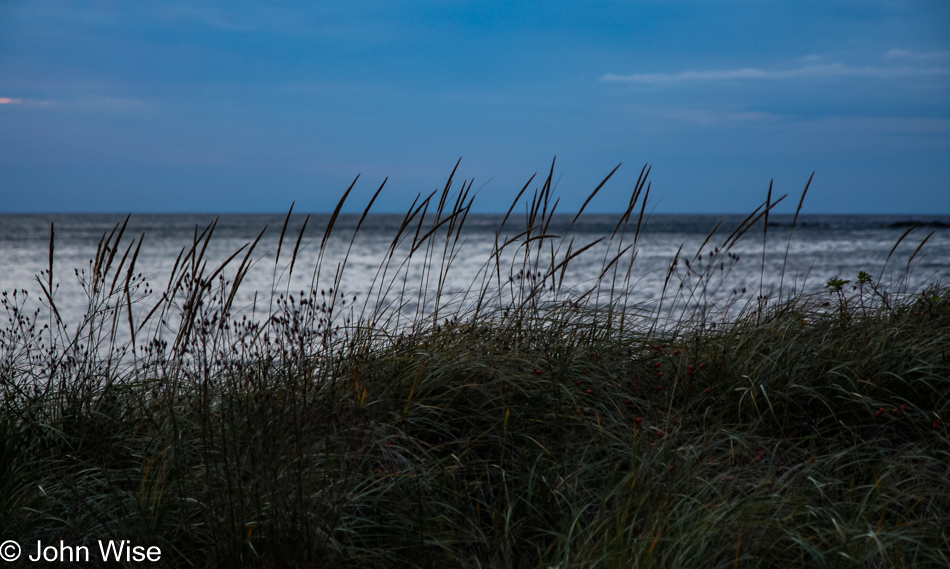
519 423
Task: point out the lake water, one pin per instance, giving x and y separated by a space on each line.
821 247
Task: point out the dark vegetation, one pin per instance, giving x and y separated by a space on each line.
524 424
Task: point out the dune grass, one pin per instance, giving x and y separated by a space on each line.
520 423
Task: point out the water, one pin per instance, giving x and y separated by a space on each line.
821 247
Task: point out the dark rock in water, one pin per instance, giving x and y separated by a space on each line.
898 224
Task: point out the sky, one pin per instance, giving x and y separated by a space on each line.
248 106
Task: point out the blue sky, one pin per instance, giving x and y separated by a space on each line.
246 106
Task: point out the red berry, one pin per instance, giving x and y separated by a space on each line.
589 391
657 364
936 424
537 372
577 383
671 467
639 420
389 443
659 388
659 433
676 352
659 374
702 366
627 402
708 390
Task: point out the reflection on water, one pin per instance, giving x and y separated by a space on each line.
821 247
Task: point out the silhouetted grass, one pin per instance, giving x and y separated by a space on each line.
521 423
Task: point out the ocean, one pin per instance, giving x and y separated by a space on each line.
820 247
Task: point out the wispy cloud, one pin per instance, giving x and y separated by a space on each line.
708 117
917 126
110 104
84 104
210 17
830 70
911 55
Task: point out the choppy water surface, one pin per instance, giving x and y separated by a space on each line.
821 247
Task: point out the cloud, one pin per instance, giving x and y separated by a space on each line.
707 117
918 126
111 104
934 129
908 54
210 17
830 70
90 104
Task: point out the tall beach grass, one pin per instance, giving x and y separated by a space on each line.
515 422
